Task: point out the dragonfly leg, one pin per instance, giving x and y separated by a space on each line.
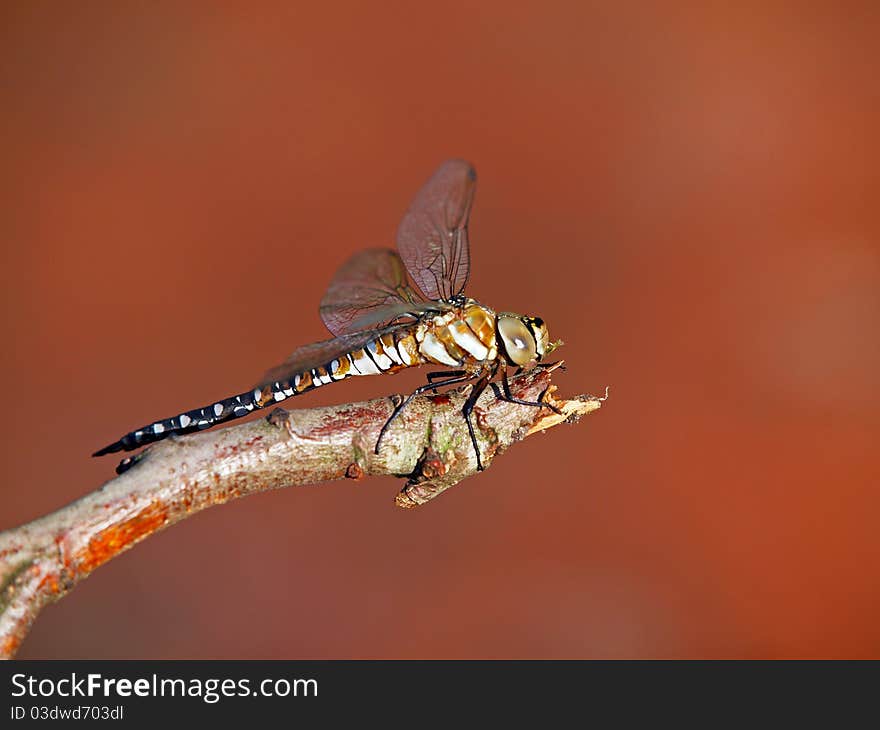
479 387
442 374
507 396
453 380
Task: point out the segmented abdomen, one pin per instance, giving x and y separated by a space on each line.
385 354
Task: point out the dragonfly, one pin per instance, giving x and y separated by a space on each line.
389 310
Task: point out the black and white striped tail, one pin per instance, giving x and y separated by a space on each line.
199 419
387 353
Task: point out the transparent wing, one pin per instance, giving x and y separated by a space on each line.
382 316
432 237
321 353
370 288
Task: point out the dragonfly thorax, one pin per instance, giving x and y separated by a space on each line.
470 335
464 336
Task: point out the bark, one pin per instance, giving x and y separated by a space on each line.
173 479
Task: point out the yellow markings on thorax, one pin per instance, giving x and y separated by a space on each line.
433 348
460 337
465 338
482 324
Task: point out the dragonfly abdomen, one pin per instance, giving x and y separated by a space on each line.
382 355
195 420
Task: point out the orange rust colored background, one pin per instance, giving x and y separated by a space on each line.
688 198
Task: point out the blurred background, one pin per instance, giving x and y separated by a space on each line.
688 196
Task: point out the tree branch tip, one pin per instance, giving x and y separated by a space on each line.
569 411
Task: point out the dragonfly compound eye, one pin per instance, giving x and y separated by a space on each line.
542 337
519 343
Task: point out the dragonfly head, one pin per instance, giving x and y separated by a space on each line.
524 338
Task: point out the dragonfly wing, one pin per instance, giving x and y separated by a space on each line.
381 316
318 354
364 287
432 237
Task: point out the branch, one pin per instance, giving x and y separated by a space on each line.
173 479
